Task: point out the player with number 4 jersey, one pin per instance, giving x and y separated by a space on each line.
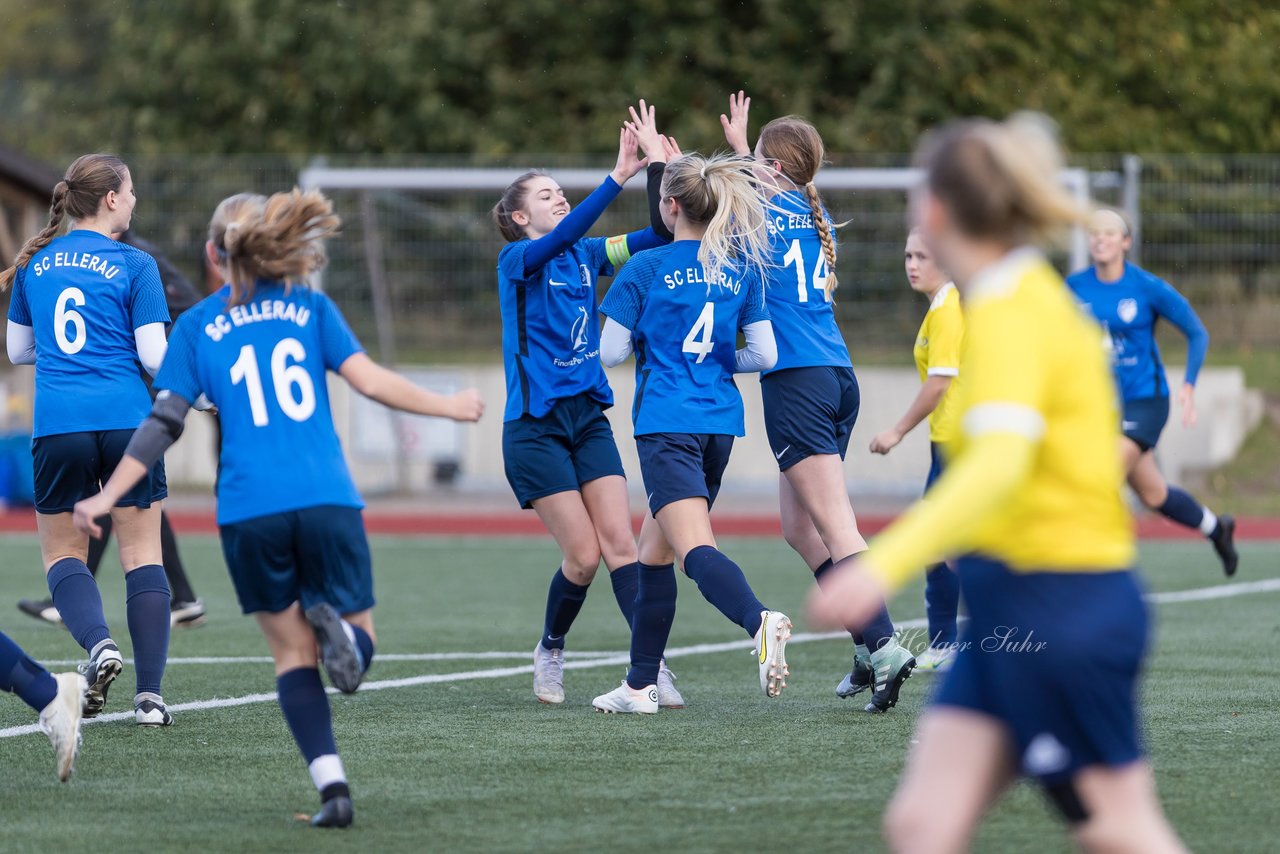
680 309
288 511
811 396
86 311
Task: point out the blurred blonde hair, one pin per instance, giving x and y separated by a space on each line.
280 238
999 180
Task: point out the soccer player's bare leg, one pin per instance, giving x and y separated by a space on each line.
567 519
1123 811
818 483
956 770
798 528
609 507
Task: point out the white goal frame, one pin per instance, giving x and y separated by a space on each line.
458 180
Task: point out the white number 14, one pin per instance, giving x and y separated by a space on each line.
796 256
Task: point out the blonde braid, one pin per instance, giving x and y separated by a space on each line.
41 240
824 234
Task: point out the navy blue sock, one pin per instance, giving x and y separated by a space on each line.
655 609
626 587
823 568
146 591
22 676
722 584
1182 508
364 643
306 711
941 604
77 599
564 601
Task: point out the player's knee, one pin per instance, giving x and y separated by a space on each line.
1153 497
617 547
581 561
911 824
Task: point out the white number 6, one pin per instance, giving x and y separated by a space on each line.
63 315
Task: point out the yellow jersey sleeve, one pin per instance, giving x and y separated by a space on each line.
945 339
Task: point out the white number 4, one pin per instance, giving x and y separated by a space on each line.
283 376
705 324
796 256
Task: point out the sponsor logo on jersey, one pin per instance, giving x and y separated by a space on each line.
578 333
1127 309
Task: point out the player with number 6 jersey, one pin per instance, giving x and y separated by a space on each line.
86 311
811 396
288 511
680 309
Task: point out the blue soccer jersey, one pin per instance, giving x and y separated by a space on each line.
83 295
1128 310
263 365
804 320
685 332
550 334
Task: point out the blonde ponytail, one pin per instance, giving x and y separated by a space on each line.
722 194
281 239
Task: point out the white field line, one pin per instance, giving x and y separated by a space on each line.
391 656
584 661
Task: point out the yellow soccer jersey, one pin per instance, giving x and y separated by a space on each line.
937 354
1037 391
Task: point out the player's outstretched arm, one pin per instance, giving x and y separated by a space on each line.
391 389
926 400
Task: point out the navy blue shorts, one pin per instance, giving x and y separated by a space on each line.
569 446
937 463
808 412
313 555
70 467
676 466
1144 420
1055 657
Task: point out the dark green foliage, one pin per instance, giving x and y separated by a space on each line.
387 76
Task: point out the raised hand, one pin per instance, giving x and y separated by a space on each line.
644 125
735 124
629 162
671 149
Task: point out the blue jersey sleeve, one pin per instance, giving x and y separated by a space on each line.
571 229
147 302
19 311
1173 306
755 310
626 297
337 342
178 370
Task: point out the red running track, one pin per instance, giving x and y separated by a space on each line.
524 524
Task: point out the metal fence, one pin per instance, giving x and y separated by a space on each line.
1209 224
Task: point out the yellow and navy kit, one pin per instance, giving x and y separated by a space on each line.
937 354
1034 479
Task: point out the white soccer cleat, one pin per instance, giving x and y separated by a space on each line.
771 645
625 700
668 696
548 674
60 720
149 710
936 659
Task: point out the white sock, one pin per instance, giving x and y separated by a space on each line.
1208 522
325 770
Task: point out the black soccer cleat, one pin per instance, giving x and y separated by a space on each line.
99 672
338 653
335 812
1224 543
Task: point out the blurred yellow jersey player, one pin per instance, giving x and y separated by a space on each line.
937 354
1045 680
